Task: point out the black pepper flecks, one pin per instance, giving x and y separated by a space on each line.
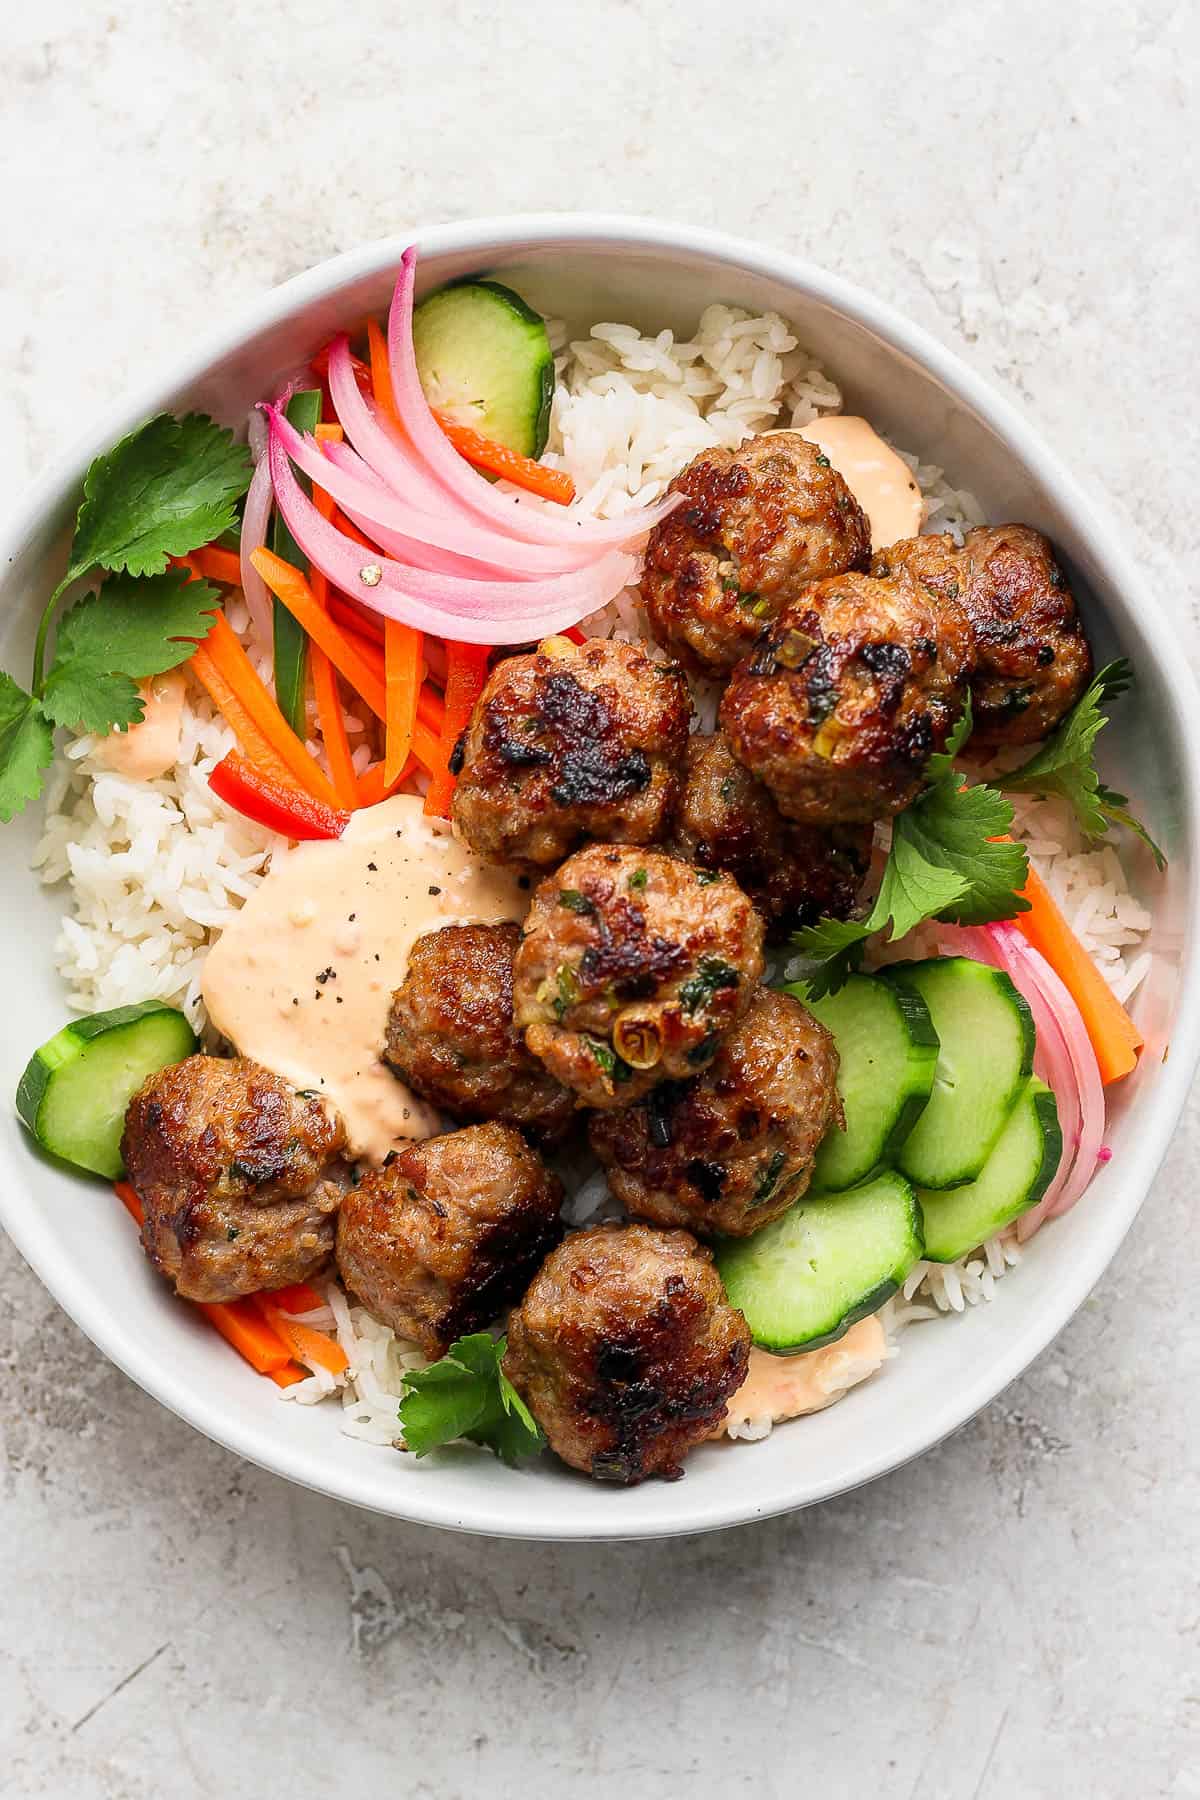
434 890
374 868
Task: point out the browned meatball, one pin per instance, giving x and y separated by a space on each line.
585 742
445 1236
731 1150
760 522
451 1038
846 697
1033 660
238 1176
625 1350
795 874
632 965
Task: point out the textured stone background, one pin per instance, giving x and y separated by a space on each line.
1016 1615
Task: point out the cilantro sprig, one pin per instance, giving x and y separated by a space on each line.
1064 765
944 863
466 1394
164 490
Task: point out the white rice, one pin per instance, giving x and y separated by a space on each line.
157 869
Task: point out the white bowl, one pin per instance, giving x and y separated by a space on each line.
585 268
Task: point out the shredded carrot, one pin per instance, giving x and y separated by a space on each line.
127 1196
287 1377
373 788
1114 1036
215 564
329 433
251 1336
466 672
355 618
231 660
330 713
251 739
305 1344
348 658
332 720
402 682
290 586
497 459
431 708
381 374
237 1320
401 643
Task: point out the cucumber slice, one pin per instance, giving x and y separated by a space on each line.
987 1037
484 358
828 1262
1014 1178
75 1089
291 643
888 1052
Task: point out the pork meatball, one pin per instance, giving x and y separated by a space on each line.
760 522
581 742
451 1038
795 874
445 1236
625 1350
846 698
239 1176
632 965
731 1150
1033 660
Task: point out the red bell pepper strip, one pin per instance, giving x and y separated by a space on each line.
269 802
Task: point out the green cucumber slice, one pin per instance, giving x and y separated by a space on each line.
484 358
828 1262
1014 1178
291 641
888 1052
76 1088
986 1033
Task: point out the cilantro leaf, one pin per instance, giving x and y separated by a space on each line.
165 489
139 626
467 1394
950 831
942 864
83 699
941 763
1115 808
1064 765
134 627
26 747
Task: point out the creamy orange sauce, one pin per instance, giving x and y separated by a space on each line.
302 979
150 748
785 1387
875 475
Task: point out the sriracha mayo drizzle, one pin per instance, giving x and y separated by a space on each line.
786 1387
881 483
303 977
150 748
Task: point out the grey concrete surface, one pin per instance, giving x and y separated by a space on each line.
1017 1614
